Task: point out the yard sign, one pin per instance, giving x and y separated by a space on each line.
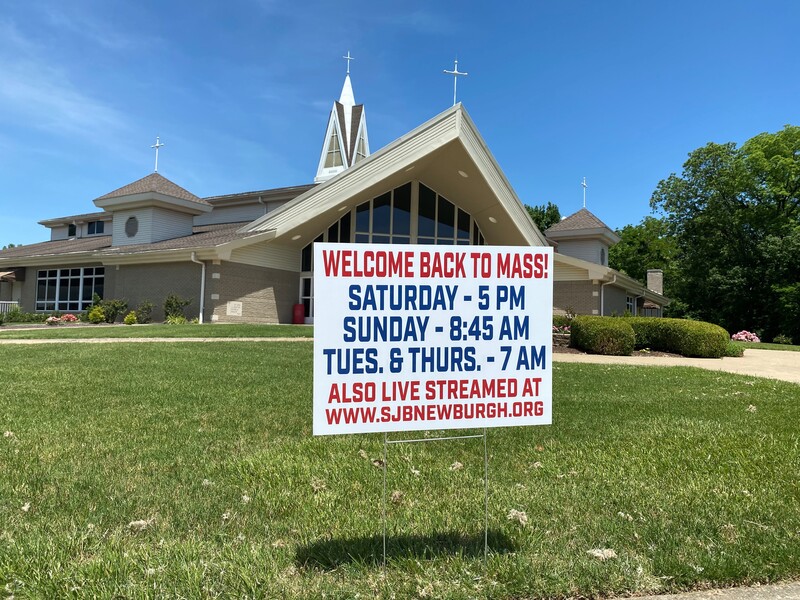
430 337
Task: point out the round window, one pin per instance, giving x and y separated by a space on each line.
131 226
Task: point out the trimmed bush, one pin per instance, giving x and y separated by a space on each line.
130 318
96 315
680 336
734 350
602 335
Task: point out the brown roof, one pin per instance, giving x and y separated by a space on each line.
355 121
51 248
206 236
582 219
294 190
153 183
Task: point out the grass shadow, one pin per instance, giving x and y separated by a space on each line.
332 553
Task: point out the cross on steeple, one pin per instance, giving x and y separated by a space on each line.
584 186
348 58
455 73
157 145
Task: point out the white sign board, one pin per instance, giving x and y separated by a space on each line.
431 337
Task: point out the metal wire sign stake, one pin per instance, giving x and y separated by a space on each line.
415 338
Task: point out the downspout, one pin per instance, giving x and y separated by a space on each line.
264 204
202 286
603 296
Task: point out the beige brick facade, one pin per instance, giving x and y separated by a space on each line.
154 282
577 296
266 295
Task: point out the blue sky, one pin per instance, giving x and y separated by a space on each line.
617 92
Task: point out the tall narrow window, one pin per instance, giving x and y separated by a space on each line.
333 158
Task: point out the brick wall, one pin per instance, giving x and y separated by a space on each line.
154 282
266 295
578 296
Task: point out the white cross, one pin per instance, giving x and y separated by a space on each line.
348 58
584 186
455 73
157 145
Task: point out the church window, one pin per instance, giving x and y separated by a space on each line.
361 148
68 289
395 218
333 157
96 227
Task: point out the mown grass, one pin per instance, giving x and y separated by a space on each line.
690 476
210 330
768 346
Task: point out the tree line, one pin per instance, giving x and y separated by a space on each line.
726 232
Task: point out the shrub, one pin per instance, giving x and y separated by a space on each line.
176 320
680 336
144 311
782 339
2 319
113 308
130 318
562 321
602 335
745 336
96 315
174 305
734 350
53 320
69 318
15 315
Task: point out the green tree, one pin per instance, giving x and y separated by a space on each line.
735 215
647 245
545 216
7 246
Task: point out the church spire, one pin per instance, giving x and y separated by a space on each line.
346 141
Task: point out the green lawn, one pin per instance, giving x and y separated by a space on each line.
156 331
768 346
691 477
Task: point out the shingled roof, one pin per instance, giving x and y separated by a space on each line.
582 219
57 247
153 183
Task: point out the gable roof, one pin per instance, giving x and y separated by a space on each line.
582 224
446 153
153 183
583 219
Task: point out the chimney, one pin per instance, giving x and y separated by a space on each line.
655 281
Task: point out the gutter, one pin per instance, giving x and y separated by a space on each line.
202 286
602 294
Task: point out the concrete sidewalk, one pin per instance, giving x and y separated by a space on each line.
773 364
781 591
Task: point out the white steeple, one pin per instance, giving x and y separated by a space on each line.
346 141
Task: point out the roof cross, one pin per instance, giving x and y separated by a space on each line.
584 186
455 73
348 58
157 145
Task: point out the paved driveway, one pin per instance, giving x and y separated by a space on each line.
774 364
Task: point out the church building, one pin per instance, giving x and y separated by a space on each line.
247 257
